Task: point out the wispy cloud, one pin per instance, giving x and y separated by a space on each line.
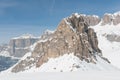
6 4
52 6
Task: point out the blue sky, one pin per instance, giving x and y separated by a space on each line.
18 17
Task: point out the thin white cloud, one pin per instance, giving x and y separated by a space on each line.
52 7
6 4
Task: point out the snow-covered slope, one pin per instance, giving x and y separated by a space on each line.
83 70
110 48
62 76
67 63
4 53
4 50
70 63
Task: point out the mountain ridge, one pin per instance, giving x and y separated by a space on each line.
72 35
75 35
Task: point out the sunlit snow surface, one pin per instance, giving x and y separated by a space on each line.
82 75
70 63
110 50
52 70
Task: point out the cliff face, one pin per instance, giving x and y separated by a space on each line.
111 18
107 18
20 46
71 36
91 20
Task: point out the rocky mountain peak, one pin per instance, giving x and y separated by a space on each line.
71 36
109 18
46 34
116 13
91 20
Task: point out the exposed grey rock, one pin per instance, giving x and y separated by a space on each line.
91 20
107 19
116 19
111 18
113 37
20 46
47 34
71 36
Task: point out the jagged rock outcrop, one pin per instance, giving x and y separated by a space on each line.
19 46
91 20
71 36
107 19
113 37
116 19
111 18
47 34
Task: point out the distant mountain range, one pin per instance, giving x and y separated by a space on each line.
7 62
